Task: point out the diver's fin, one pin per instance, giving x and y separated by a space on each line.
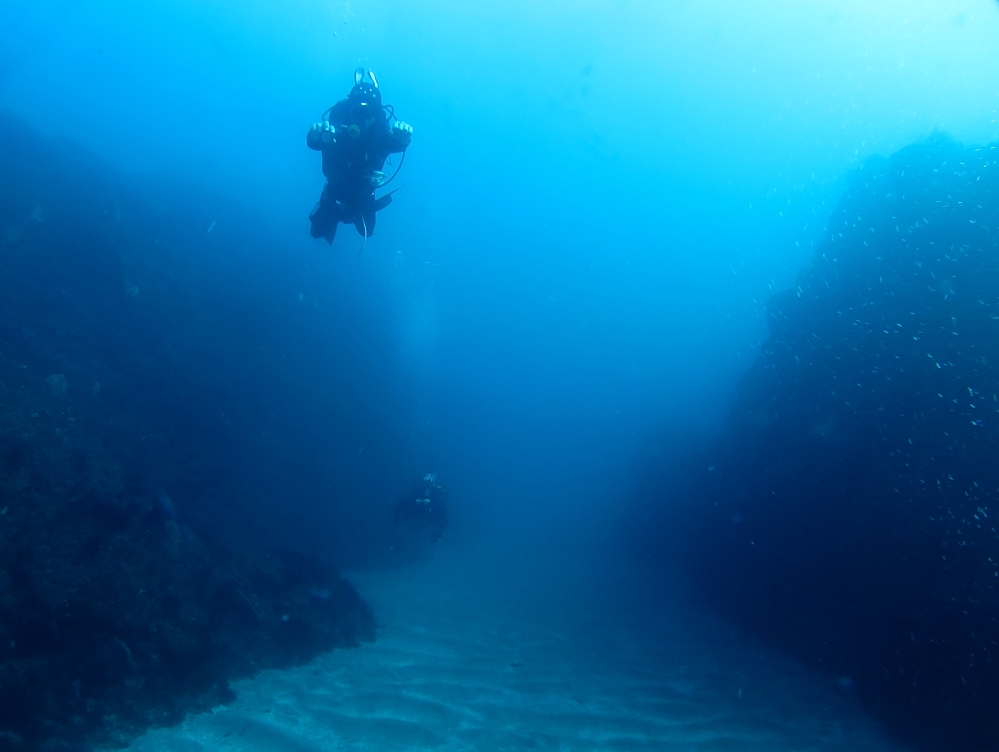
382 202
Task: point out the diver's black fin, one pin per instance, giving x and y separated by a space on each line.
381 203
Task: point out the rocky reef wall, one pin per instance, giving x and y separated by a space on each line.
164 399
849 512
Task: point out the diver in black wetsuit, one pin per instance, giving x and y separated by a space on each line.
355 136
422 511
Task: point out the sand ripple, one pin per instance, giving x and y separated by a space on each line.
492 663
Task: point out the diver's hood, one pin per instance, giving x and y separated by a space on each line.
364 93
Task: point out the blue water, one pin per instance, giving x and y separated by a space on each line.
558 307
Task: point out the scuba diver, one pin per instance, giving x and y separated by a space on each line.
420 514
355 136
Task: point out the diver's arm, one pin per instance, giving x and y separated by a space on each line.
400 136
319 135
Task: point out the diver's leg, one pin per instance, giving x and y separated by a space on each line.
325 217
365 223
316 221
323 227
362 213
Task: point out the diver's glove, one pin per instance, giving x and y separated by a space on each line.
323 131
377 177
402 132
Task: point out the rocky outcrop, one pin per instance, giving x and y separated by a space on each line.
134 580
849 513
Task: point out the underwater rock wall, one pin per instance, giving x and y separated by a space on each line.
241 375
849 513
162 397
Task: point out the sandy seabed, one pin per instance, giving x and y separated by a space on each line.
494 649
